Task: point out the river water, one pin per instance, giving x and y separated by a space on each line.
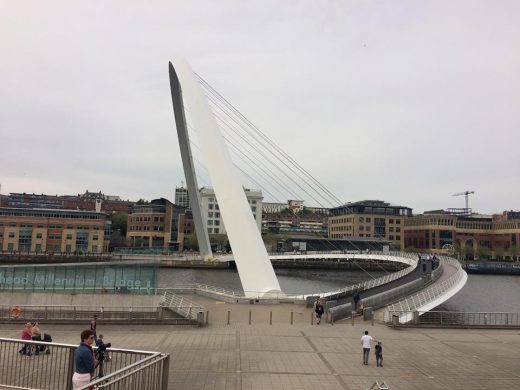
482 293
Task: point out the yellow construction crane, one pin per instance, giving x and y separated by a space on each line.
466 194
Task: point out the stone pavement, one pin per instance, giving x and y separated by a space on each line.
304 356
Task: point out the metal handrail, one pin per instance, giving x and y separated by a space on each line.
420 299
56 369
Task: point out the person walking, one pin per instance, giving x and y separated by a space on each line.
365 342
93 326
379 354
357 298
319 311
84 360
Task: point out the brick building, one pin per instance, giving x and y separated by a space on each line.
53 230
369 218
472 235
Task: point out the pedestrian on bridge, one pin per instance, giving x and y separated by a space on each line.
365 342
319 311
84 360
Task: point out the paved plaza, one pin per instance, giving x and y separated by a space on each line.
304 356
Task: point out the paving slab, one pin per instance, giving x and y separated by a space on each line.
303 356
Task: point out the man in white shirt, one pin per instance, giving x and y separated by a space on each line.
365 342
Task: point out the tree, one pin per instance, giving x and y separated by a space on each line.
190 242
116 240
483 252
270 241
499 252
119 222
514 251
218 240
142 201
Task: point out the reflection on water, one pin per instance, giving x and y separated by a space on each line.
486 293
295 281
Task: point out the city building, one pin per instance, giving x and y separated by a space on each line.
369 218
86 202
296 206
470 235
155 224
304 223
210 209
182 198
53 230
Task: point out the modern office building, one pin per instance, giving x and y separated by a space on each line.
210 209
53 230
471 235
182 198
155 224
369 218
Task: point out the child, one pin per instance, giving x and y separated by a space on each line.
379 354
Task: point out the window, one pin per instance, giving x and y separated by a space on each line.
95 237
217 223
11 235
253 208
210 230
398 238
361 219
210 222
390 229
397 229
38 235
216 230
217 215
398 221
69 236
391 220
391 237
210 206
210 214
253 202
368 220
40 225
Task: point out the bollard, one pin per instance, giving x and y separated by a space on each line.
228 316
200 318
372 318
332 318
207 317
292 317
312 318
353 318
270 318
249 317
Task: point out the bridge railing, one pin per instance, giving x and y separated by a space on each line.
413 303
410 259
27 364
454 319
64 313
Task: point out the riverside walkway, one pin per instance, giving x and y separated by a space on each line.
304 356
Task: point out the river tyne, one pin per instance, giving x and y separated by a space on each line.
482 293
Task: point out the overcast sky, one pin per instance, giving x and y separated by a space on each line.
403 101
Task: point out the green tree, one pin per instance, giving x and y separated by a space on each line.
119 222
482 252
499 252
142 201
219 240
514 251
116 240
190 242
